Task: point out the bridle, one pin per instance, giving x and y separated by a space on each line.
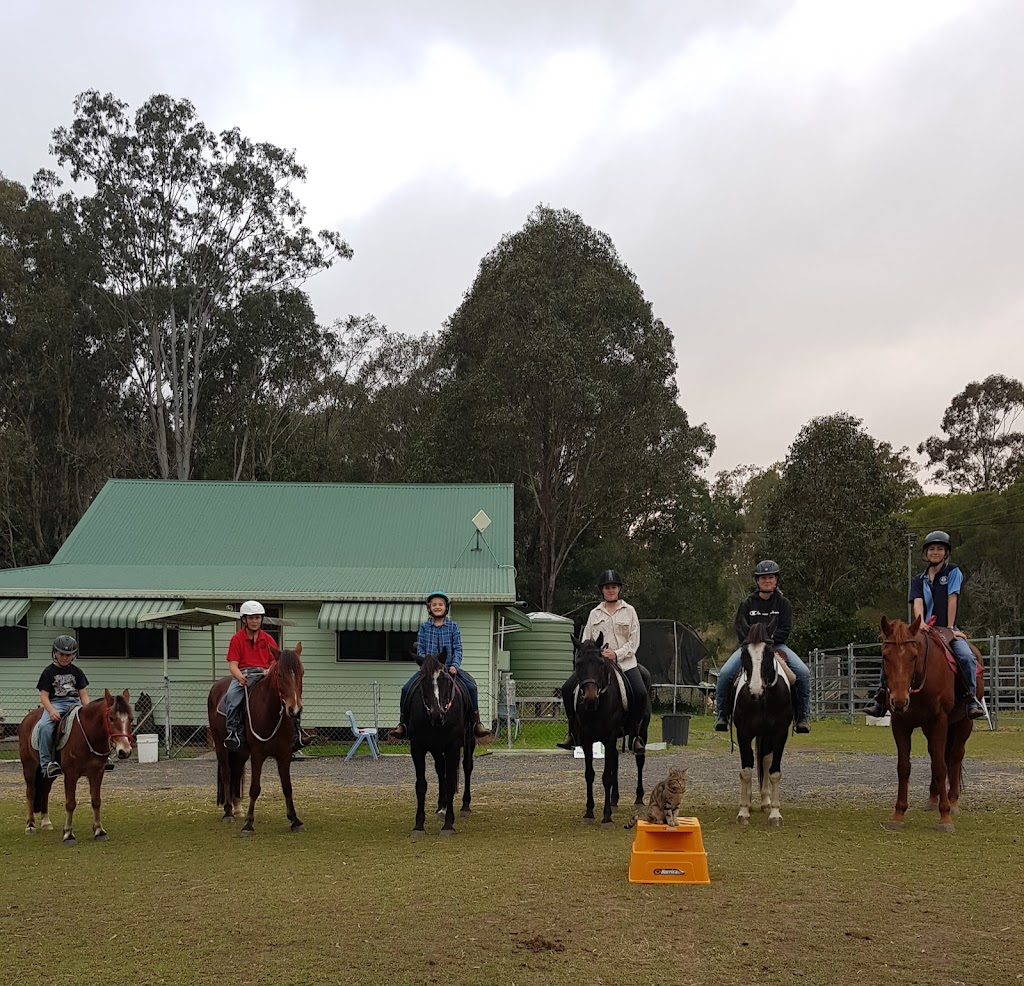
601 687
111 735
921 655
281 707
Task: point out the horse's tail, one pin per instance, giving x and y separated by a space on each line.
759 757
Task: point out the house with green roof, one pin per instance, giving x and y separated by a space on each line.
149 578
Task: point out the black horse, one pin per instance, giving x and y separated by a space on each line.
601 718
762 715
440 723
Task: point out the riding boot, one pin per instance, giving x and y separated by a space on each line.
879 705
975 710
802 724
298 739
721 722
569 743
480 731
233 740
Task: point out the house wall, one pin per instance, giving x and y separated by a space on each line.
330 687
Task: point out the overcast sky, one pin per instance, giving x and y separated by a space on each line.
821 198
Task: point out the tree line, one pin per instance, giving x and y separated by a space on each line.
155 325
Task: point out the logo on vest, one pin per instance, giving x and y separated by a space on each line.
943 579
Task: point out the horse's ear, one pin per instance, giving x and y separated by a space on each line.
769 630
576 642
886 626
107 697
915 627
126 696
600 640
275 650
745 627
298 649
443 655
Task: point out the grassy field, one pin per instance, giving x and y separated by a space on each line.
523 894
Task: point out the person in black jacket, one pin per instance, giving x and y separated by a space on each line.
763 605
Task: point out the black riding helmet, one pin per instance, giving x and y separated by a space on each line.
65 644
937 537
766 567
609 577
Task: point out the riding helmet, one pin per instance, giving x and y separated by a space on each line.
609 577
65 644
251 608
439 595
938 537
766 567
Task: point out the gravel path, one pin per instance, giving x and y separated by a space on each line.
833 778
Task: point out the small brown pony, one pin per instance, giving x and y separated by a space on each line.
269 709
922 693
104 726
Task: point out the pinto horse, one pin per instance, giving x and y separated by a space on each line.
441 724
762 714
102 727
922 693
271 706
601 718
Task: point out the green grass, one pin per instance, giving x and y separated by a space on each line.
523 894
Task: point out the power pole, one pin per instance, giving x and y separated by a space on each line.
911 538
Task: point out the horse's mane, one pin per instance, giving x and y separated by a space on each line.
432 663
287 663
899 633
121 706
758 634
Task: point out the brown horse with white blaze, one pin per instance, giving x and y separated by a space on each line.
102 727
922 694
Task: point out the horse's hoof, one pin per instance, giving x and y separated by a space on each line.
101 836
228 818
71 842
29 830
894 825
246 832
47 826
588 819
298 827
607 823
447 832
417 834
775 823
466 811
945 826
639 803
932 805
742 819
954 809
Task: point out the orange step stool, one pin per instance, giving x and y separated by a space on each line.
668 853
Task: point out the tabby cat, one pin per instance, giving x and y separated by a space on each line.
666 798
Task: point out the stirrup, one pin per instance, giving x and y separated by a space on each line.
721 723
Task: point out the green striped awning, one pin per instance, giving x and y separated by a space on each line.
371 616
94 613
12 610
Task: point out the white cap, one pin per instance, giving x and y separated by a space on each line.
251 608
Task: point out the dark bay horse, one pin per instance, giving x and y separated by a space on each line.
271 705
601 718
104 726
440 723
922 694
762 716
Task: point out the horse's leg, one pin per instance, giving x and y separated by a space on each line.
610 777
641 759
32 776
419 760
439 770
773 768
284 771
901 733
764 769
224 783
451 781
936 736
746 776
467 769
70 785
956 746
44 787
588 773
256 760
95 781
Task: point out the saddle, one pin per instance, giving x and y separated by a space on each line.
946 636
780 657
64 725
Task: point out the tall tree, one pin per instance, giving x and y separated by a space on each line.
553 374
64 425
982 448
187 223
831 522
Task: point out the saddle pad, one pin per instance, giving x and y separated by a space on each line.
64 727
623 690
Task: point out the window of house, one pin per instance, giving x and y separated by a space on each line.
370 645
14 640
276 610
114 642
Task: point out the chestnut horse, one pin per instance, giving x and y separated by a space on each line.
922 693
104 726
270 707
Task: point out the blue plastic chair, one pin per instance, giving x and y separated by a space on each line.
368 736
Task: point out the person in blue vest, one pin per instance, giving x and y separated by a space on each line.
61 687
935 592
765 604
439 632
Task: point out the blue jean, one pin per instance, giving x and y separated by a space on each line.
236 696
48 729
731 668
468 682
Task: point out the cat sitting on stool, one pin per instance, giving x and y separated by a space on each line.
667 796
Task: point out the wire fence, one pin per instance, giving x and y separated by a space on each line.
843 679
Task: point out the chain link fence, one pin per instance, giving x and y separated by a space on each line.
843 679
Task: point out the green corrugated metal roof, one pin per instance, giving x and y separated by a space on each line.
105 612
321 541
12 610
371 616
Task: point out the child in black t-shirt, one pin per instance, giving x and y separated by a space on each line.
61 687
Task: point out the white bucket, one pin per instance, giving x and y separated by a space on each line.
598 752
148 745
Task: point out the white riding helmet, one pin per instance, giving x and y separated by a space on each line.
251 608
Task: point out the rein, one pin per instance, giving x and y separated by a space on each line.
111 736
924 669
280 717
